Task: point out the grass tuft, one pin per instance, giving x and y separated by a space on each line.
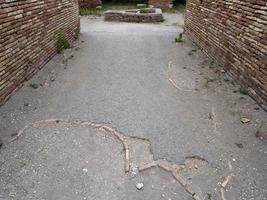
258 132
243 90
62 43
143 10
179 38
34 85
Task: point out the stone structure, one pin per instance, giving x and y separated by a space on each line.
234 34
151 16
154 3
160 3
28 37
90 3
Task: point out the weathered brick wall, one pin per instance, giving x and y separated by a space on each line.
160 3
28 36
233 33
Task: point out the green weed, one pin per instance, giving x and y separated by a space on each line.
179 38
34 85
61 42
243 90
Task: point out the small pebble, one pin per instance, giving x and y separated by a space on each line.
139 186
85 170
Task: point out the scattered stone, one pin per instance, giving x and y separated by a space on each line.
211 116
52 78
245 120
239 145
26 104
71 56
134 170
85 170
139 186
225 182
209 196
223 71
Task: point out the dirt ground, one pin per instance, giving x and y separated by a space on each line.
128 106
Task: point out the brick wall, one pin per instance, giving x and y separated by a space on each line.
28 35
234 33
160 3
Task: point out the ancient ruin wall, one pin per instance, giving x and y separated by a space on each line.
28 31
234 33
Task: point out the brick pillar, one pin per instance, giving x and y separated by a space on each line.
160 3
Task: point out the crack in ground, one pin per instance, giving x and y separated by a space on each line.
172 81
167 166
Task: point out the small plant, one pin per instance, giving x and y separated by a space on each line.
62 43
34 85
76 32
143 10
179 38
243 90
239 145
258 132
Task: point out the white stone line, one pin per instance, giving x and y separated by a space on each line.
170 78
100 126
163 164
